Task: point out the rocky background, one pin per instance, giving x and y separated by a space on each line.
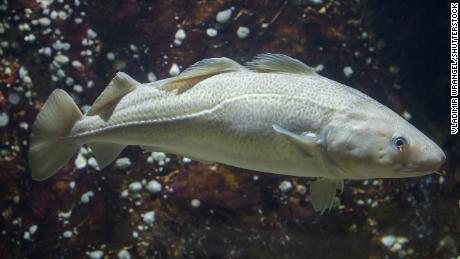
154 205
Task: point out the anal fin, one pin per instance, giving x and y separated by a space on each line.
105 153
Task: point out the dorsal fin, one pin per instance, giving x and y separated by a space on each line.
120 85
200 71
279 63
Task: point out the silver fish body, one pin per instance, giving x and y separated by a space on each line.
227 118
275 115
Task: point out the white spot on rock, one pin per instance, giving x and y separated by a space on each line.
243 32
135 187
123 163
158 156
211 32
153 186
319 68
44 3
174 70
149 217
348 71
97 254
388 240
85 197
33 229
80 161
301 189
124 254
151 77
16 199
224 16
67 234
78 89
406 115
110 56
26 235
124 194
91 34
44 21
76 64
285 186
93 163
195 203
45 51
14 98
4 119
186 160
179 36
63 216
61 59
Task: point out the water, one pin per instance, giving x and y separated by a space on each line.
393 51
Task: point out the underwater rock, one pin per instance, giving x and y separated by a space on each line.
4 119
224 16
243 32
153 186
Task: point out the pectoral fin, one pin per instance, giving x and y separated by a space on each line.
308 143
323 192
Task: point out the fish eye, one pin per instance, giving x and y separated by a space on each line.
399 143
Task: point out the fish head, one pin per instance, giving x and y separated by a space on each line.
370 145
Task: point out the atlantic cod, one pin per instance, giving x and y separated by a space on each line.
275 114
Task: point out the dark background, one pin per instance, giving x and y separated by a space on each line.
239 217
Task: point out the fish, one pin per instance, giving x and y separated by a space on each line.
273 114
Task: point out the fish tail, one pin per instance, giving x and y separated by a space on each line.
50 145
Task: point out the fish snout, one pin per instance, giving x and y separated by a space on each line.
440 157
432 158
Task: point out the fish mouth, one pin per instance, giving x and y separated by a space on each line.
413 170
424 167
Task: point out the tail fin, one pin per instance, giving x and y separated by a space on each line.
49 148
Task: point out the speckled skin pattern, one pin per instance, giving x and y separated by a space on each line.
228 118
